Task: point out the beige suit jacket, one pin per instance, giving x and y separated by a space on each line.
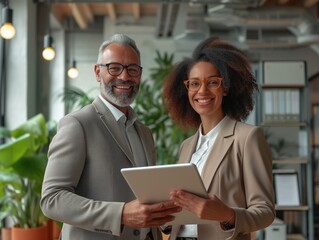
238 171
83 186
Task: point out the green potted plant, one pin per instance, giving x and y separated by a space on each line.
75 98
22 164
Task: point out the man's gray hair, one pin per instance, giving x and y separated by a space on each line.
120 39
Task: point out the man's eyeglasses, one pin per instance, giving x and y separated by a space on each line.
115 69
211 83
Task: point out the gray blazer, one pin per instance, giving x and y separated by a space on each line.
83 186
239 172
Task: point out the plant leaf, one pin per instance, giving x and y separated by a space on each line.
11 152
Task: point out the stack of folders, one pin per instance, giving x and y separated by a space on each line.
281 105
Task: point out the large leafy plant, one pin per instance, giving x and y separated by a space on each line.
22 164
75 98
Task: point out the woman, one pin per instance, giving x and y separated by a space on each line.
213 92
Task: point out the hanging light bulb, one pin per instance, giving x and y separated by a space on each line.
48 52
73 71
7 30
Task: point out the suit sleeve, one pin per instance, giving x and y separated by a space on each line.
257 174
59 201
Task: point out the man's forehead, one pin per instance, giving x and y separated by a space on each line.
120 51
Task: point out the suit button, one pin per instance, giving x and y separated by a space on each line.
136 232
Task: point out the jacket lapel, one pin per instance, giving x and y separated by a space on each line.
148 144
222 143
188 147
112 126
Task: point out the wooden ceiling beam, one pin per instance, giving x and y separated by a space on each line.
310 3
283 1
78 16
111 11
57 13
136 10
87 12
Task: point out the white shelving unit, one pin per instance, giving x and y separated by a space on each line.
283 112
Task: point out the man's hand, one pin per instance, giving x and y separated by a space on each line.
136 214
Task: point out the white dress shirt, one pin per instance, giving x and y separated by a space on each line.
199 158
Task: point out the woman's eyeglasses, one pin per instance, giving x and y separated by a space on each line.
211 83
115 69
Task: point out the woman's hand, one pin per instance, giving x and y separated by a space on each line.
211 208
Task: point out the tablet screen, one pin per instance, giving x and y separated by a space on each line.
153 184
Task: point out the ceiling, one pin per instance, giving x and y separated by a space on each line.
252 23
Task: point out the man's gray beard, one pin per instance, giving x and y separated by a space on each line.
122 99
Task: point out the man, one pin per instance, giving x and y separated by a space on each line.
83 186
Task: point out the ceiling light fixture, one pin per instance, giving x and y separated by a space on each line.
48 52
7 30
72 71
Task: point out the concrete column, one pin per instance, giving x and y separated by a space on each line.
20 63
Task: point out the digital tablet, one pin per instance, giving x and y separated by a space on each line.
153 184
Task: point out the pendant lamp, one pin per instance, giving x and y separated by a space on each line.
7 30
